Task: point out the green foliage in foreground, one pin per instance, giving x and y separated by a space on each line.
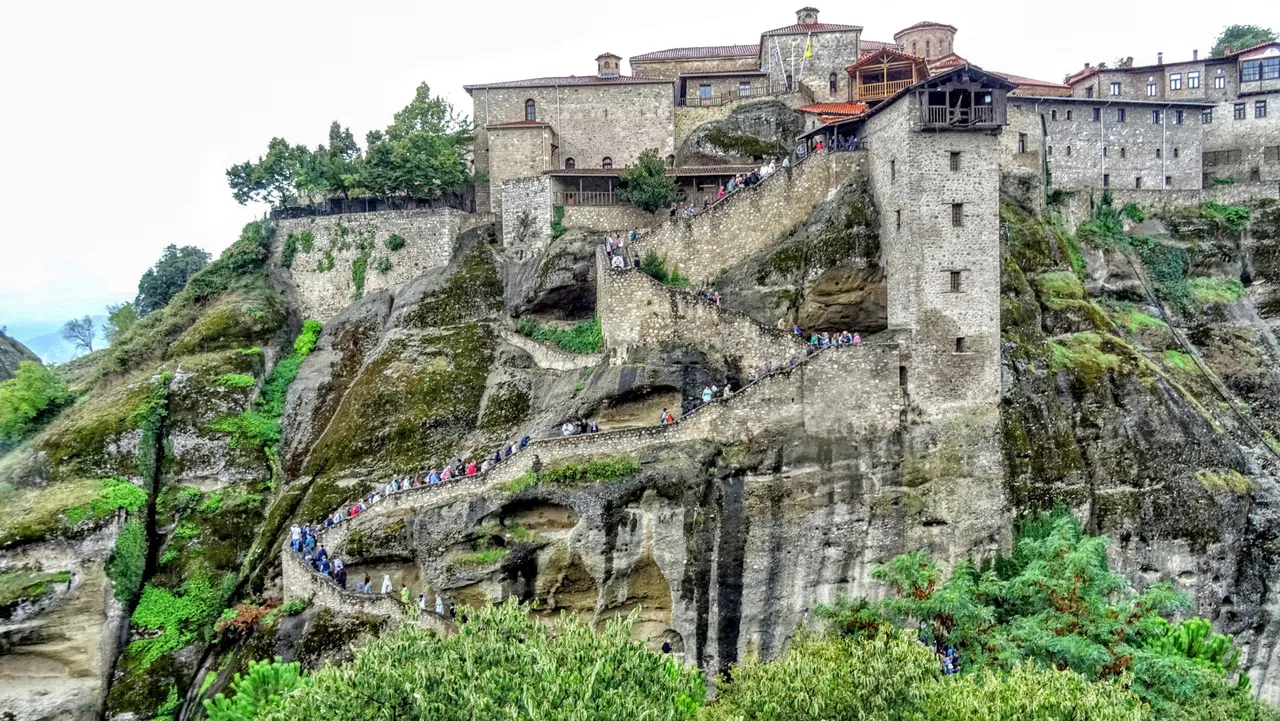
646 184
29 400
128 561
501 665
585 337
258 692
1055 604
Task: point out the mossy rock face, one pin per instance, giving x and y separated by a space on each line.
329 637
325 495
208 532
425 394
505 407
473 291
238 321
98 436
142 693
196 454
751 130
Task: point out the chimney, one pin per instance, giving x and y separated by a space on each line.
807 16
1227 50
1086 66
1128 62
1159 58
1195 54
608 65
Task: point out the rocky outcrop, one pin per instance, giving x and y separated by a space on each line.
11 354
558 283
749 132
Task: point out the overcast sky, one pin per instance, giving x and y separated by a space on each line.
119 118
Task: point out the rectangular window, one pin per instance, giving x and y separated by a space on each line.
1175 81
1106 180
1068 115
1156 117
1221 157
1260 109
1119 115
1271 154
897 219
957 215
1151 90
1104 151
902 377
955 161
704 92
1088 92
1175 152
1115 88
1068 151
1251 71
1137 182
1206 116
1097 114
959 345
1022 142
1049 150
893 170
1158 153
1255 175
1168 180
1193 79
1177 117
1270 68
744 88
1239 108
1053 114
955 281
1122 152
1220 82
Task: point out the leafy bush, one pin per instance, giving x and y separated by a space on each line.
383 266
114 494
260 427
235 380
479 558
250 429
168 277
394 242
128 561
646 184
29 400
326 262
557 222
654 266
1234 217
1225 180
502 663
288 250
596 470
584 337
260 691
358 268
180 619
1133 212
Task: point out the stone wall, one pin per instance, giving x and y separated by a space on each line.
673 68
526 215
609 217
591 121
1250 136
323 274
1074 143
636 310
545 356
750 220
832 53
521 151
1076 210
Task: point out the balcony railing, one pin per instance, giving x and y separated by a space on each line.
729 97
879 91
585 197
943 115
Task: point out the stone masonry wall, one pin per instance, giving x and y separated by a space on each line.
750 220
608 217
832 53
673 68
526 214
523 151
323 275
1250 136
545 356
636 310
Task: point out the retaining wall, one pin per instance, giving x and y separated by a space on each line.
636 310
750 220
608 217
545 356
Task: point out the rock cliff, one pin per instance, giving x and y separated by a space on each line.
11 354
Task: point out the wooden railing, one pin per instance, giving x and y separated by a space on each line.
729 97
878 91
585 197
943 115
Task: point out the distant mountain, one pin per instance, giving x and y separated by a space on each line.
53 348
11 354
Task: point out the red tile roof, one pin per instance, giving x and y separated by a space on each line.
892 51
842 109
925 24
1086 72
870 46
950 60
709 51
1039 85
810 28
569 80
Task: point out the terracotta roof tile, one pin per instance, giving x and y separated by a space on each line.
708 51
842 109
870 46
811 28
568 80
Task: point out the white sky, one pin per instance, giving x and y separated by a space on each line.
120 117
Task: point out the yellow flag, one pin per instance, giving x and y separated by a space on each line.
808 47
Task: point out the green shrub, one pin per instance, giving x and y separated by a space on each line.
394 242
307 240
596 470
27 584
235 380
1226 180
1215 291
260 427
326 262
180 618
557 222
128 561
29 400
584 337
114 494
250 429
383 266
358 268
1060 284
1228 480
479 558
1234 217
288 250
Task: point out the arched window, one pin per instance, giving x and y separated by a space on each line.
671 161
832 82
530 110
606 163
914 48
788 83
927 50
570 163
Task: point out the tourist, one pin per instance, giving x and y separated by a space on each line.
768 367
799 333
566 429
508 450
440 607
322 554
471 468
720 193
447 473
686 407
635 233
819 143
706 203
433 477
595 426
341 576
404 595
715 298
727 391
386 583
706 394
295 537
733 184
617 263
484 467
422 602
664 418
857 339
786 161
524 441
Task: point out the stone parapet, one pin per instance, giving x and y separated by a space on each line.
545 356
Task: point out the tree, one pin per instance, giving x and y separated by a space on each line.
80 332
422 153
273 178
28 400
501 664
168 277
337 166
261 690
645 184
1240 37
120 318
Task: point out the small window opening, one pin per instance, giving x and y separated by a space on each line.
957 214
955 281
960 347
955 160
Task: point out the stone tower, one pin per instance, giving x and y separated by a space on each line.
927 39
608 65
807 16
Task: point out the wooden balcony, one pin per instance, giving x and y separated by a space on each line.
585 197
958 117
880 91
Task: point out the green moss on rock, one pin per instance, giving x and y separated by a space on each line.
473 291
